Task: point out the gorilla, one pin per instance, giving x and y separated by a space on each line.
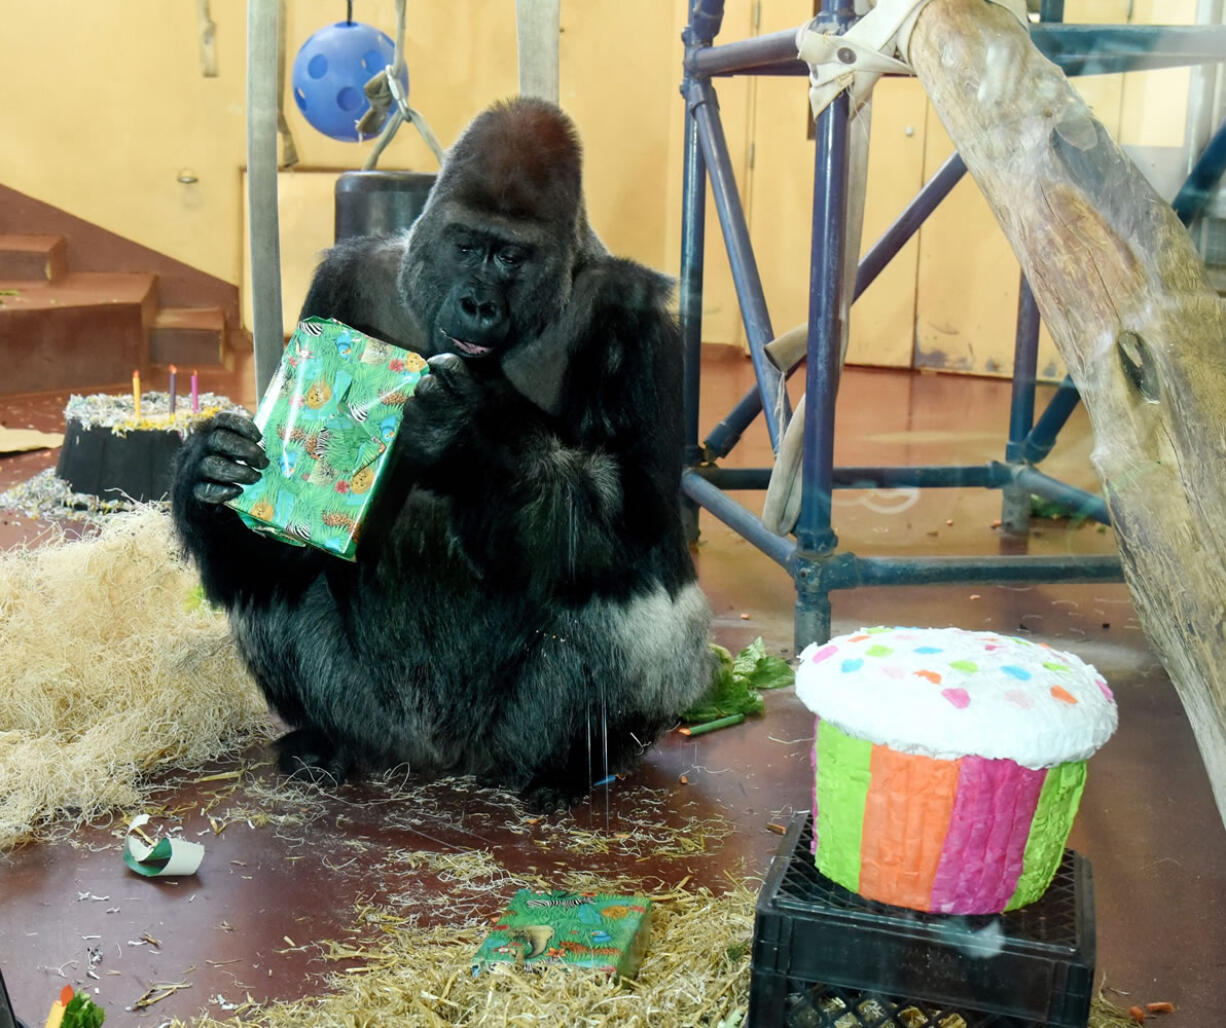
525 608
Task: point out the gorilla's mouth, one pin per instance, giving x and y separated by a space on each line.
467 349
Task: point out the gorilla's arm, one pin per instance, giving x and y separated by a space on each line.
236 565
355 283
572 503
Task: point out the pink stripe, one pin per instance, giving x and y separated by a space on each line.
813 779
984 850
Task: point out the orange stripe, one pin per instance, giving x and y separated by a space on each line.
906 819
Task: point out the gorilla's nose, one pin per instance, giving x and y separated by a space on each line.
482 313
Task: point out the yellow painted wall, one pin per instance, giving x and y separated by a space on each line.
106 130
115 106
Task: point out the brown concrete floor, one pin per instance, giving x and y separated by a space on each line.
247 922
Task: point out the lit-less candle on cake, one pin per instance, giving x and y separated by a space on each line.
948 764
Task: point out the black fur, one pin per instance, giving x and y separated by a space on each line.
527 590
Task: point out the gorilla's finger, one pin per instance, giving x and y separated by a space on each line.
236 447
239 423
444 363
450 372
215 492
219 469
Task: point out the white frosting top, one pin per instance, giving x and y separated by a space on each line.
949 693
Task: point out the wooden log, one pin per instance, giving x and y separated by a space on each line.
1124 295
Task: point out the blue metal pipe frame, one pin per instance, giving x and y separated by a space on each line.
812 557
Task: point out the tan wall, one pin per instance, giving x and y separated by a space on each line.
115 106
105 133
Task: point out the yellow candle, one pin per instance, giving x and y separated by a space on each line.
58 1007
136 394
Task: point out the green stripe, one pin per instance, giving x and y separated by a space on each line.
1053 820
843 778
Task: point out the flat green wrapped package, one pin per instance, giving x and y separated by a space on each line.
575 929
329 418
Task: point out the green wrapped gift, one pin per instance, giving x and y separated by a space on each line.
329 417
575 929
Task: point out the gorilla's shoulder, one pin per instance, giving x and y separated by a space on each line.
606 283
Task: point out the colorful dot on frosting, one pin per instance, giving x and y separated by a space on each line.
893 671
927 649
1019 699
857 638
1105 689
990 646
877 630
969 666
960 698
1051 665
878 651
1062 694
823 653
852 665
1020 673
932 676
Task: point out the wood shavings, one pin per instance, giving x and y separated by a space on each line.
696 972
158 992
113 669
117 412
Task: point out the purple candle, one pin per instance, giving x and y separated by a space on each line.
195 394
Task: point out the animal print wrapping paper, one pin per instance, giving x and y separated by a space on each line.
576 929
329 418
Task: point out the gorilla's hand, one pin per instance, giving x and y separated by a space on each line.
222 456
442 406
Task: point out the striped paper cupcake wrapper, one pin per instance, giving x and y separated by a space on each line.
967 836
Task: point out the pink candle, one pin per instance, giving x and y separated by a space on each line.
195 394
172 390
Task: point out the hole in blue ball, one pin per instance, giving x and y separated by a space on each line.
349 99
317 68
300 96
373 61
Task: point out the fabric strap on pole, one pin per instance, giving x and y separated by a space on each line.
875 45
267 332
536 33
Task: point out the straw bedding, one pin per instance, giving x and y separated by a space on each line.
111 668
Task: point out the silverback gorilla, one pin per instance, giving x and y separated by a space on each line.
527 603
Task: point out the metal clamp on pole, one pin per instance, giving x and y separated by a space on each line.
875 45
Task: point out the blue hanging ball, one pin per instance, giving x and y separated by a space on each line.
330 71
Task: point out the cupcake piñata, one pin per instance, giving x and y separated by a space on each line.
948 764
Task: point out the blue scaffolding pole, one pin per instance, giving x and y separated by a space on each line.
811 555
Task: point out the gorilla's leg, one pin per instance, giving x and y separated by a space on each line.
308 753
605 746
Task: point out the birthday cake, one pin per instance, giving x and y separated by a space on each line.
948 764
112 450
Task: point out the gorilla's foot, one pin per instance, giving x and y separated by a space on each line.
550 794
308 754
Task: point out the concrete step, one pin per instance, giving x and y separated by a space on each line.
189 337
33 258
86 330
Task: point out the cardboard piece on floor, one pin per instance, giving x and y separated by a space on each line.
165 858
18 440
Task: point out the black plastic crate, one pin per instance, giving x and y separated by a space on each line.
824 957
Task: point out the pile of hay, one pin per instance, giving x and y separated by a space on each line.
112 667
695 972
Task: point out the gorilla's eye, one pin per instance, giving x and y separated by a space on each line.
512 257
464 249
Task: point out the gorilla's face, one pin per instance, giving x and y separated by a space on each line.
492 257
481 284
487 272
